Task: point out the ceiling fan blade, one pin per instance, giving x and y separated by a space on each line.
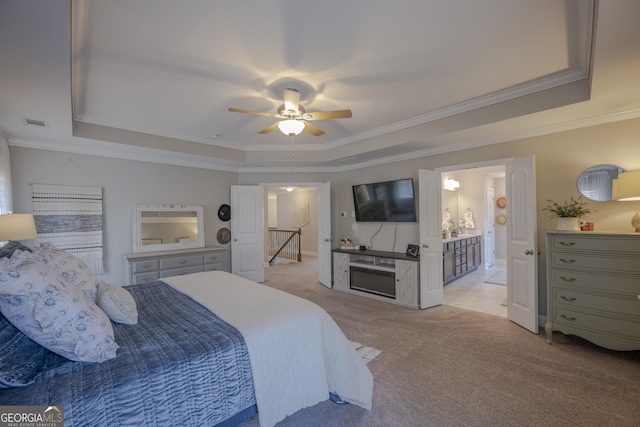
256 113
312 129
291 99
269 129
328 115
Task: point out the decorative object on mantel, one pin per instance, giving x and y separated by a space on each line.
224 236
501 202
346 243
224 212
501 219
627 188
569 213
71 219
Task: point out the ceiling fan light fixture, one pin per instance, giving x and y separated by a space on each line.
290 127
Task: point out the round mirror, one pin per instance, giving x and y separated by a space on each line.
595 182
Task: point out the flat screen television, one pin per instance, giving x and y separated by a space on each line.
389 201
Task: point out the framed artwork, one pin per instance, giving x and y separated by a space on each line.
413 250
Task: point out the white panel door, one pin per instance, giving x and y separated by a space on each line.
522 248
429 202
247 232
324 234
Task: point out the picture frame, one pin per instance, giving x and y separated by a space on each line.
413 250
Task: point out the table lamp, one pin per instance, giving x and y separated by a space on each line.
627 188
17 227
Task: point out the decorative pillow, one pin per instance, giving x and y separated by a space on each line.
7 250
118 303
21 358
53 313
70 267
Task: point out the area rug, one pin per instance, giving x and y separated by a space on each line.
497 278
366 353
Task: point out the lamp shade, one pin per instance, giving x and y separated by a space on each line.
627 186
17 227
290 127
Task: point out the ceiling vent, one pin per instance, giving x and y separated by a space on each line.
36 123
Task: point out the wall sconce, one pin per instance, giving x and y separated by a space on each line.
17 227
451 184
627 188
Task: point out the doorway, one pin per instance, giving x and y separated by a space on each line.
471 204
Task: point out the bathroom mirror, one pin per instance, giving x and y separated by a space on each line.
595 182
167 227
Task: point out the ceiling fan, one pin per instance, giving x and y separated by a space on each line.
296 119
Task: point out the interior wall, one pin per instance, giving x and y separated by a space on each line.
125 183
500 190
301 197
560 159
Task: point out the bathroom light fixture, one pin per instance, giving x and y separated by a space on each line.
451 184
291 127
17 227
627 188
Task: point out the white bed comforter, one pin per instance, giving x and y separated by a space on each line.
298 353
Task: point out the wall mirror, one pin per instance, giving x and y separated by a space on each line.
167 227
595 183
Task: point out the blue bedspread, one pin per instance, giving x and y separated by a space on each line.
179 366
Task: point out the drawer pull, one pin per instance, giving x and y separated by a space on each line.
566 243
565 317
146 266
568 279
567 298
182 262
568 261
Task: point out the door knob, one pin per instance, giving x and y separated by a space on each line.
528 252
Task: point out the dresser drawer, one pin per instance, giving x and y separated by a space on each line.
594 262
140 278
594 322
146 265
607 283
595 243
180 271
625 305
215 266
177 262
210 258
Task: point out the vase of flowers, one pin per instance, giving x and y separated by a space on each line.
568 213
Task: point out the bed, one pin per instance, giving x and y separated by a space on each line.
207 349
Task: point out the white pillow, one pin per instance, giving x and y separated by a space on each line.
118 303
53 312
70 267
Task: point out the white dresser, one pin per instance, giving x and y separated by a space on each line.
146 267
593 283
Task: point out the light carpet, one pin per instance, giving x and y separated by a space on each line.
449 367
